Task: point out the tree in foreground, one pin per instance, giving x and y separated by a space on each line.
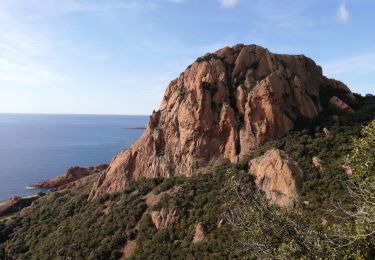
266 231
357 235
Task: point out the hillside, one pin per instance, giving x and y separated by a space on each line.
187 218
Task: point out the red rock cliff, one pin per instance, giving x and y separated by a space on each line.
224 105
71 175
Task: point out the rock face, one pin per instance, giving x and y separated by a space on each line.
200 233
339 105
71 175
278 176
164 218
224 105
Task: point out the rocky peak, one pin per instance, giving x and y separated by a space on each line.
223 106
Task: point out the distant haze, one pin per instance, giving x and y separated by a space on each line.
118 56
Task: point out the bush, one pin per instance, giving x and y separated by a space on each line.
362 157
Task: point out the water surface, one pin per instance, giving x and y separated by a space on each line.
38 147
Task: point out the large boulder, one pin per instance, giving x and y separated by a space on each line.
223 106
278 176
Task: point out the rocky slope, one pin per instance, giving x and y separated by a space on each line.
223 106
71 175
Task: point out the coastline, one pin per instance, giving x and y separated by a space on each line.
49 144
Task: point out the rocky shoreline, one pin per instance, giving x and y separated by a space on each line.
73 177
73 174
17 203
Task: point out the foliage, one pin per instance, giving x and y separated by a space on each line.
268 232
357 234
200 199
181 94
65 224
362 157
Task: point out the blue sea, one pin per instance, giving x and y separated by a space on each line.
37 147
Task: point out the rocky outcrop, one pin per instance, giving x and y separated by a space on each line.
347 169
278 176
16 204
220 223
340 106
317 163
71 175
200 233
128 249
326 131
151 199
164 218
223 106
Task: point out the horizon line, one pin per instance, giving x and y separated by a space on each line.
67 114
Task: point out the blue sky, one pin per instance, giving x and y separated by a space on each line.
117 57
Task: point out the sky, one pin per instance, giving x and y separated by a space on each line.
118 56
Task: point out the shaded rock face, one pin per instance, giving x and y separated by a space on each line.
278 176
224 105
340 106
71 175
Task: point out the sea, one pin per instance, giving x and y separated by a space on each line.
35 147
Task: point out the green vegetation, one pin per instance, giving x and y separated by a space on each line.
207 57
181 94
65 225
362 157
268 232
201 199
337 219
357 234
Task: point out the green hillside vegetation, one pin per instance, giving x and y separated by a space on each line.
64 224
